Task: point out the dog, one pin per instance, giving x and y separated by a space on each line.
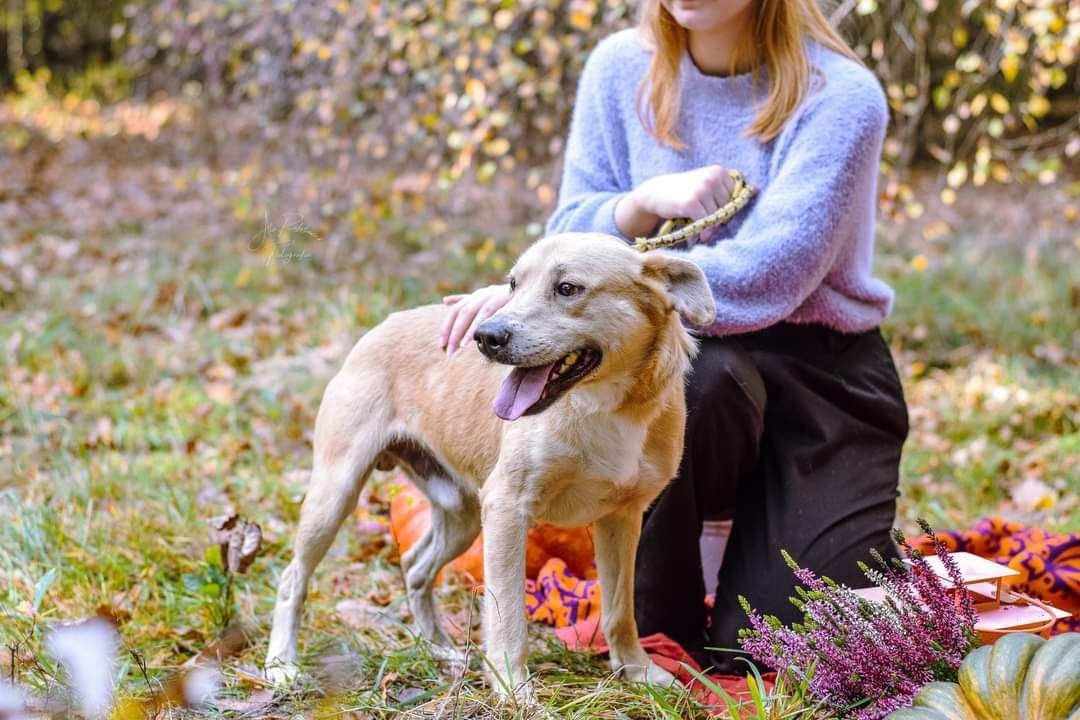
570 409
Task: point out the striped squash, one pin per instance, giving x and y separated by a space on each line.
1020 677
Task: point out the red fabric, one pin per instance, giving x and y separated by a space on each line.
668 654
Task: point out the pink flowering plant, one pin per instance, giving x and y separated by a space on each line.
866 659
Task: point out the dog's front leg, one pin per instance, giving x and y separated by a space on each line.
505 525
616 539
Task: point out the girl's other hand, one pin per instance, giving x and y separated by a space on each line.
467 312
693 194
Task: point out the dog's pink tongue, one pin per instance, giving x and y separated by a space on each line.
520 390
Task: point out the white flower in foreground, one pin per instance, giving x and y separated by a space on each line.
201 684
12 703
87 651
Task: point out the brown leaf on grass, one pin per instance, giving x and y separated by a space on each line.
381 596
228 318
114 614
251 676
258 700
232 641
240 541
358 613
220 372
388 679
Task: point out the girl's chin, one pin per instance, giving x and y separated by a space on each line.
701 19
703 15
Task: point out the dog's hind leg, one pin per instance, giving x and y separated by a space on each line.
348 440
455 523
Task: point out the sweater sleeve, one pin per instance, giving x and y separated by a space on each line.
822 196
592 180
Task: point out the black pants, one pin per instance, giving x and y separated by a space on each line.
795 431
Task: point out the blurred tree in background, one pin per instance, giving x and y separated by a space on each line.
68 37
426 93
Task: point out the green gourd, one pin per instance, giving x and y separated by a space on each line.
1006 670
945 698
1020 677
1052 686
974 677
916 713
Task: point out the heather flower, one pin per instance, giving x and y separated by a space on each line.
866 659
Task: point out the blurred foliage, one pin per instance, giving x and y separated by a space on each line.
987 88
73 39
447 86
354 114
476 87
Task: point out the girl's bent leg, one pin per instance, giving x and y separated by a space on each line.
826 486
725 399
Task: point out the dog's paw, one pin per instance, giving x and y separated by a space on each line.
648 672
282 674
521 693
448 654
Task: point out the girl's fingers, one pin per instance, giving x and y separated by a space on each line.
696 211
447 323
451 299
729 187
461 323
709 204
722 196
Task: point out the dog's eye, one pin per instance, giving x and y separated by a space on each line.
513 284
567 289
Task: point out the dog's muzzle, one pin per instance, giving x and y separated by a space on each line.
492 338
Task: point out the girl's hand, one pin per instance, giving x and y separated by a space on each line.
693 194
467 312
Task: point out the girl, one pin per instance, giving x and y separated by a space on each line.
796 416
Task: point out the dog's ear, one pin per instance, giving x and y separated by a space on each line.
685 283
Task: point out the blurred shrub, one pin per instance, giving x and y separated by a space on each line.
461 87
451 85
68 37
986 88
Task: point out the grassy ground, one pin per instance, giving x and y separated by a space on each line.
157 370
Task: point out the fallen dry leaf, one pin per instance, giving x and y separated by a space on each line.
240 541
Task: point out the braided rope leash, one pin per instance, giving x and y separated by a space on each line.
669 235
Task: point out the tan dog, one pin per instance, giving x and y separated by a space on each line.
586 427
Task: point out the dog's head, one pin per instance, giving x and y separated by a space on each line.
586 311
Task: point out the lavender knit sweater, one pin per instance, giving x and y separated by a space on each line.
802 250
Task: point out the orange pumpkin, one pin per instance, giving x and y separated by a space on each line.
410 515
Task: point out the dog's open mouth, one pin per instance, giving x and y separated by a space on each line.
528 390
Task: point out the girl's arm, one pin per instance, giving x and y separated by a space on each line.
820 202
595 194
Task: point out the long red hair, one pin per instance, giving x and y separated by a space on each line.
775 45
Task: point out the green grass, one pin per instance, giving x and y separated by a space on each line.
156 373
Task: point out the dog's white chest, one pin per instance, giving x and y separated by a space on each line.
612 449
593 475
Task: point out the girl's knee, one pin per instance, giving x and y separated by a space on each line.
724 376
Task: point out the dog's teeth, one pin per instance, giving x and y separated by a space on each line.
571 358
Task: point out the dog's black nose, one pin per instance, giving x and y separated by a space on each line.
492 336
